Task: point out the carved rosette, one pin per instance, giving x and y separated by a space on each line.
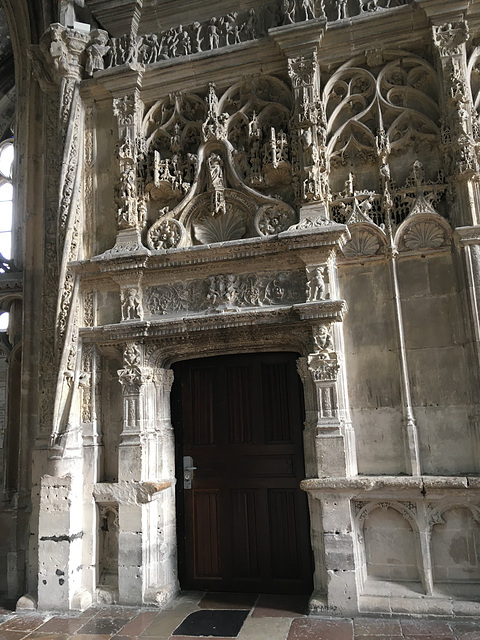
166 234
273 219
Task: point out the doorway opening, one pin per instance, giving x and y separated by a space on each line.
242 520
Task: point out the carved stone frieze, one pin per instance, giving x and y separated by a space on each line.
225 292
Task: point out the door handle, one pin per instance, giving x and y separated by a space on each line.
188 470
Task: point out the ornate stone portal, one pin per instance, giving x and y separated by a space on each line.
195 206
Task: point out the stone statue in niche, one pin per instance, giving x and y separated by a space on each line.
316 284
96 51
131 305
215 168
323 342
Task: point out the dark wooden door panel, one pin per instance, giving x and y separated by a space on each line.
243 526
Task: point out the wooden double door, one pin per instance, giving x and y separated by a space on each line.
243 522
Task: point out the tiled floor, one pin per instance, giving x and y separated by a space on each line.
251 618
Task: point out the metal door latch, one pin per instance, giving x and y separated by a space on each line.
188 469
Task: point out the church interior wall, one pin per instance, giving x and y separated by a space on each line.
268 179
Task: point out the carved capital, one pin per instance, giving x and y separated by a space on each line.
133 378
59 55
323 369
449 38
302 70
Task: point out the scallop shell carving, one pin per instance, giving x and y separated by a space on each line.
220 229
362 243
424 235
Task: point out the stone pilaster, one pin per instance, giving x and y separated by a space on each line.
130 196
460 124
146 571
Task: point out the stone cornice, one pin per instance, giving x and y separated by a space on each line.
305 244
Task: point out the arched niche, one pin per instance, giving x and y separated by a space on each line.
390 543
456 546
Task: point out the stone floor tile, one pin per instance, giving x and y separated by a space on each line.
196 638
139 623
265 629
438 628
164 624
316 629
376 627
90 636
12 635
24 622
429 637
61 625
103 626
281 606
228 601
384 637
467 635
47 636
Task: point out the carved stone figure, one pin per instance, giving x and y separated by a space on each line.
316 285
58 49
96 52
215 168
308 9
131 305
289 8
341 9
323 341
213 34
251 25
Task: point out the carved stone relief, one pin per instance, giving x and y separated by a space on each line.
225 293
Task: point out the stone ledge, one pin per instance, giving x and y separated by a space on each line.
129 492
420 484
